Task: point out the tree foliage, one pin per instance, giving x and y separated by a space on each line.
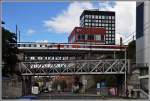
9 52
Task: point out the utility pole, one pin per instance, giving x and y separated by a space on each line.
16 32
19 36
125 70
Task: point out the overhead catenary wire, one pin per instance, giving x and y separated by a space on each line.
133 34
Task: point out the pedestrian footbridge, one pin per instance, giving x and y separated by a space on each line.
69 67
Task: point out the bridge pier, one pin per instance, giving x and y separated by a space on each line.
87 81
26 85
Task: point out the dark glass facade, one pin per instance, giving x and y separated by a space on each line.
102 19
139 20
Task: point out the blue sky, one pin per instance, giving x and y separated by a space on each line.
30 16
53 21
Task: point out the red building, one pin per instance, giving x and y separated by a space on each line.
87 35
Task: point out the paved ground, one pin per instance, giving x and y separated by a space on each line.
70 96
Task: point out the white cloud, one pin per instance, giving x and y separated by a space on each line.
125 17
30 32
68 19
42 41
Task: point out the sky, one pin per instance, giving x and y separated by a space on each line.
54 21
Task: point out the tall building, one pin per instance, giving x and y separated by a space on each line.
87 35
142 42
100 19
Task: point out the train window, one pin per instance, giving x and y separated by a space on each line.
18 45
26 45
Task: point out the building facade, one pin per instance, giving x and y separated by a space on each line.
142 32
142 42
87 35
100 19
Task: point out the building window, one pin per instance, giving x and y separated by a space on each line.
102 37
100 17
93 16
86 16
109 17
113 17
89 16
90 37
93 24
86 20
106 42
96 16
103 21
81 37
97 37
103 17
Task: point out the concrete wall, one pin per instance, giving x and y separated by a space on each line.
88 80
11 88
143 43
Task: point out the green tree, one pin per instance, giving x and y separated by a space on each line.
131 51
9 52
